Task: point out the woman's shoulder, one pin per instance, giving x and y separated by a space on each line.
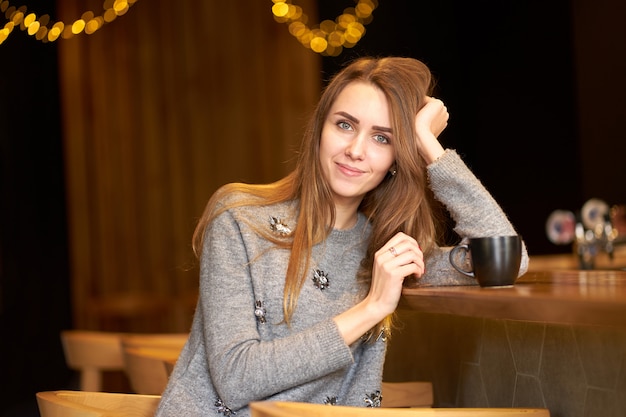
234 193
243 203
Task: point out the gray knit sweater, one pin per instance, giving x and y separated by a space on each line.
239 349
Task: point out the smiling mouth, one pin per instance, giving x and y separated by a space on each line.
348 170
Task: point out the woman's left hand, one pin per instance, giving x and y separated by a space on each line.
399 258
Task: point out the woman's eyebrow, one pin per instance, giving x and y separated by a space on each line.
348 116
357 121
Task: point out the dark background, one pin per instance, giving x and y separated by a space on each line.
505 69
34 280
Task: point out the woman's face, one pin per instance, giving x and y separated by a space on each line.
356 148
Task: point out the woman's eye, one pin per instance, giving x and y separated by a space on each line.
344 125
381 139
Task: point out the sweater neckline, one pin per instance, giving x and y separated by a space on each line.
351 233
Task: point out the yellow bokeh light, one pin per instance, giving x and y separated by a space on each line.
28 20
41 33
280 9
92 26
345 19
121 12
4 33
353 35
110 15
295 12
328 37
44 20
297 29
78 26
306 37
363 10
336 38
17 18
328 26
120 5
54 33
33 28
45 30
318 44
67 32
87 16
333 50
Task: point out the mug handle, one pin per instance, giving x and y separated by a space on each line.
453 252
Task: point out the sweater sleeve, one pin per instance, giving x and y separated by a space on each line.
243 367
474 211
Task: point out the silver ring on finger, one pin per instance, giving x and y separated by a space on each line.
393 251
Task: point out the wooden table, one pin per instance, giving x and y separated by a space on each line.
560 296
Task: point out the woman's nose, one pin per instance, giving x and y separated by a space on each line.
356 148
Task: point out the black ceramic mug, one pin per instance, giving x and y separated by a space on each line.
495 261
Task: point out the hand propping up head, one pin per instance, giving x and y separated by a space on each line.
430 121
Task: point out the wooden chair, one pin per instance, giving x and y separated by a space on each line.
156 340
145 356
145 368
94 352
294 409
91 353
169 366
95 404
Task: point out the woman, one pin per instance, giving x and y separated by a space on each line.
299 279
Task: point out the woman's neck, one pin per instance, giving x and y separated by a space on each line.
345 217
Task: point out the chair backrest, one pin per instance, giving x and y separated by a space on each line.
169 366
145 368
145 356
95 404
91 353
156 340
294 409
407 394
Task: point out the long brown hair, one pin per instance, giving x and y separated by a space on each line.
405 83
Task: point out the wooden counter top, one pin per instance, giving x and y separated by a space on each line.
570 261
559 296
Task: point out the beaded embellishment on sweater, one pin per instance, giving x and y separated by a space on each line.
382 336
222 409
330 401
277 225
374 399
259 311
320 279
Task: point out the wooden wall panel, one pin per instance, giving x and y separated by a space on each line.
160 108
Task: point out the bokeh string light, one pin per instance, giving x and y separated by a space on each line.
44 29
329 37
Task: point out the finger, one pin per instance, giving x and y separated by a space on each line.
405 255
401 243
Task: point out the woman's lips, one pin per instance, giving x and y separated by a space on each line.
348 170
